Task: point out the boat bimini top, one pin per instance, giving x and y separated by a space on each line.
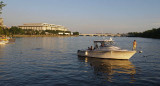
105 42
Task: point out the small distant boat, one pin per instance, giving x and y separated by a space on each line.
106 50
5 40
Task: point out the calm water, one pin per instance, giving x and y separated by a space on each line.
51 61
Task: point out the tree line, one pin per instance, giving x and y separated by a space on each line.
18 31
154 33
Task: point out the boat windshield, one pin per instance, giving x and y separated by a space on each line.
104 43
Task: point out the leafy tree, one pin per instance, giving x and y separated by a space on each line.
6 32
67 31
1 31
37 32
43 32
16 30
75 33
1 6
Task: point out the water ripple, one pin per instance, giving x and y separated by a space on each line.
53 61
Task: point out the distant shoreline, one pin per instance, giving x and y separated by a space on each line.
45 35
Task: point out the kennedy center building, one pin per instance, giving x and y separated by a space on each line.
43 26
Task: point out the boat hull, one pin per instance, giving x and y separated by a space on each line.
106 54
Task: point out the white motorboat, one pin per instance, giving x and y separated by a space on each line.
107 49
6 40
3 42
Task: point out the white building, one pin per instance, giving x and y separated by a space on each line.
43 26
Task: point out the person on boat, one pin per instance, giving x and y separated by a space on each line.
134 45
90 48
96 46
102 44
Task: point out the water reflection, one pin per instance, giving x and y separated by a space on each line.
109 69
1 50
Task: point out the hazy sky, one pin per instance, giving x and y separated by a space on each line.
86 16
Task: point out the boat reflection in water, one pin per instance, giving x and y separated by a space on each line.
111 69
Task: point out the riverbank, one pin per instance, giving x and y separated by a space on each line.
153 33
45 35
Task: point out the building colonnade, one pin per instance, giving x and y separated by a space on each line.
43 26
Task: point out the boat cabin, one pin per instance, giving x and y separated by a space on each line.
104 43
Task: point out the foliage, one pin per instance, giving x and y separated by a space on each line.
154 33
75 33
4 31
56 31
15 30
1 31
1 6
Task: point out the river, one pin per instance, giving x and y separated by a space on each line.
52 61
